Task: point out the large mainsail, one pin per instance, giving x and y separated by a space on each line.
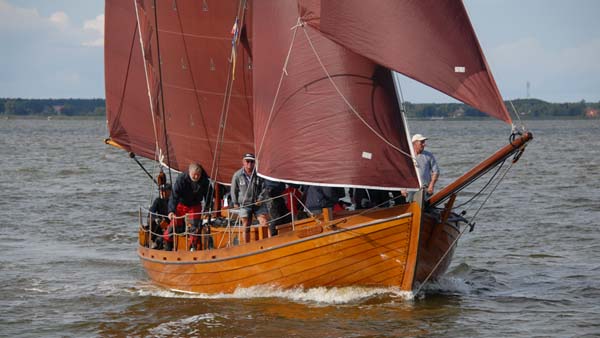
195 40
335 123
334 119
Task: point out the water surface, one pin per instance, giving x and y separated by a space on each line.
69 268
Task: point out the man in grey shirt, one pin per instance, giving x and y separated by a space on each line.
246 190
426 165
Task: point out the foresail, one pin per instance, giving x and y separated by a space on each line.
334 124
194 46
430 41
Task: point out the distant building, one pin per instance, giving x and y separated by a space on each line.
459 112
58 109
592 113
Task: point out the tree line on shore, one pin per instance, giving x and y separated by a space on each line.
52 107
527 108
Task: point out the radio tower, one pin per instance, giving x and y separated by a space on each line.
528 85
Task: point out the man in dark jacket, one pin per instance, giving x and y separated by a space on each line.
190 189
157 218
319 197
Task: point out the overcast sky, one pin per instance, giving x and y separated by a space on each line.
53 49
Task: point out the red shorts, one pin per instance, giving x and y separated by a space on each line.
179 223
182 210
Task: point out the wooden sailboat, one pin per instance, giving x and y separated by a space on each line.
309 87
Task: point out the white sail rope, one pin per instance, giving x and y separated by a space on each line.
299 23
157 150
518 117
463 230
137 16
348 103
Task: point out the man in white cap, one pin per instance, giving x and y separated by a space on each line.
427 165
246 189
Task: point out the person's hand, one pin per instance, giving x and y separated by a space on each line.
171 216
430 190
404 192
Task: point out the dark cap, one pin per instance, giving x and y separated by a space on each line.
166 186
249 157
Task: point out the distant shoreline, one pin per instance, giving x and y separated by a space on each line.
52 117
529 109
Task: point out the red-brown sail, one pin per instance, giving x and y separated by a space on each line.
313 136
127 107
430 41
195 39
331 124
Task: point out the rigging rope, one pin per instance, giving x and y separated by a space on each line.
299 23
484 187
143 50
347 102
227 95
162 95
453 244
518 116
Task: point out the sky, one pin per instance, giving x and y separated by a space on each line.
54 49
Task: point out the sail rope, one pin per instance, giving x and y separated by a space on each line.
192 78
523 128
470 222
227 95
157 157
386 141
299 24
126 81
162 93
143 50
483 188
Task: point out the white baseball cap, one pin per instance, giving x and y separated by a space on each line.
418 137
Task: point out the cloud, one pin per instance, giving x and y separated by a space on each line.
60 19
95 27
57 28
14 18
54 54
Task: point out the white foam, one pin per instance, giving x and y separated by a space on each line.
35 290
320 295
448 284
183 326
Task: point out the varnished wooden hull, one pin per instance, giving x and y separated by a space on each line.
381 248
435 247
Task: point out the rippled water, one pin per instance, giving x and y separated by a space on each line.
69 268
